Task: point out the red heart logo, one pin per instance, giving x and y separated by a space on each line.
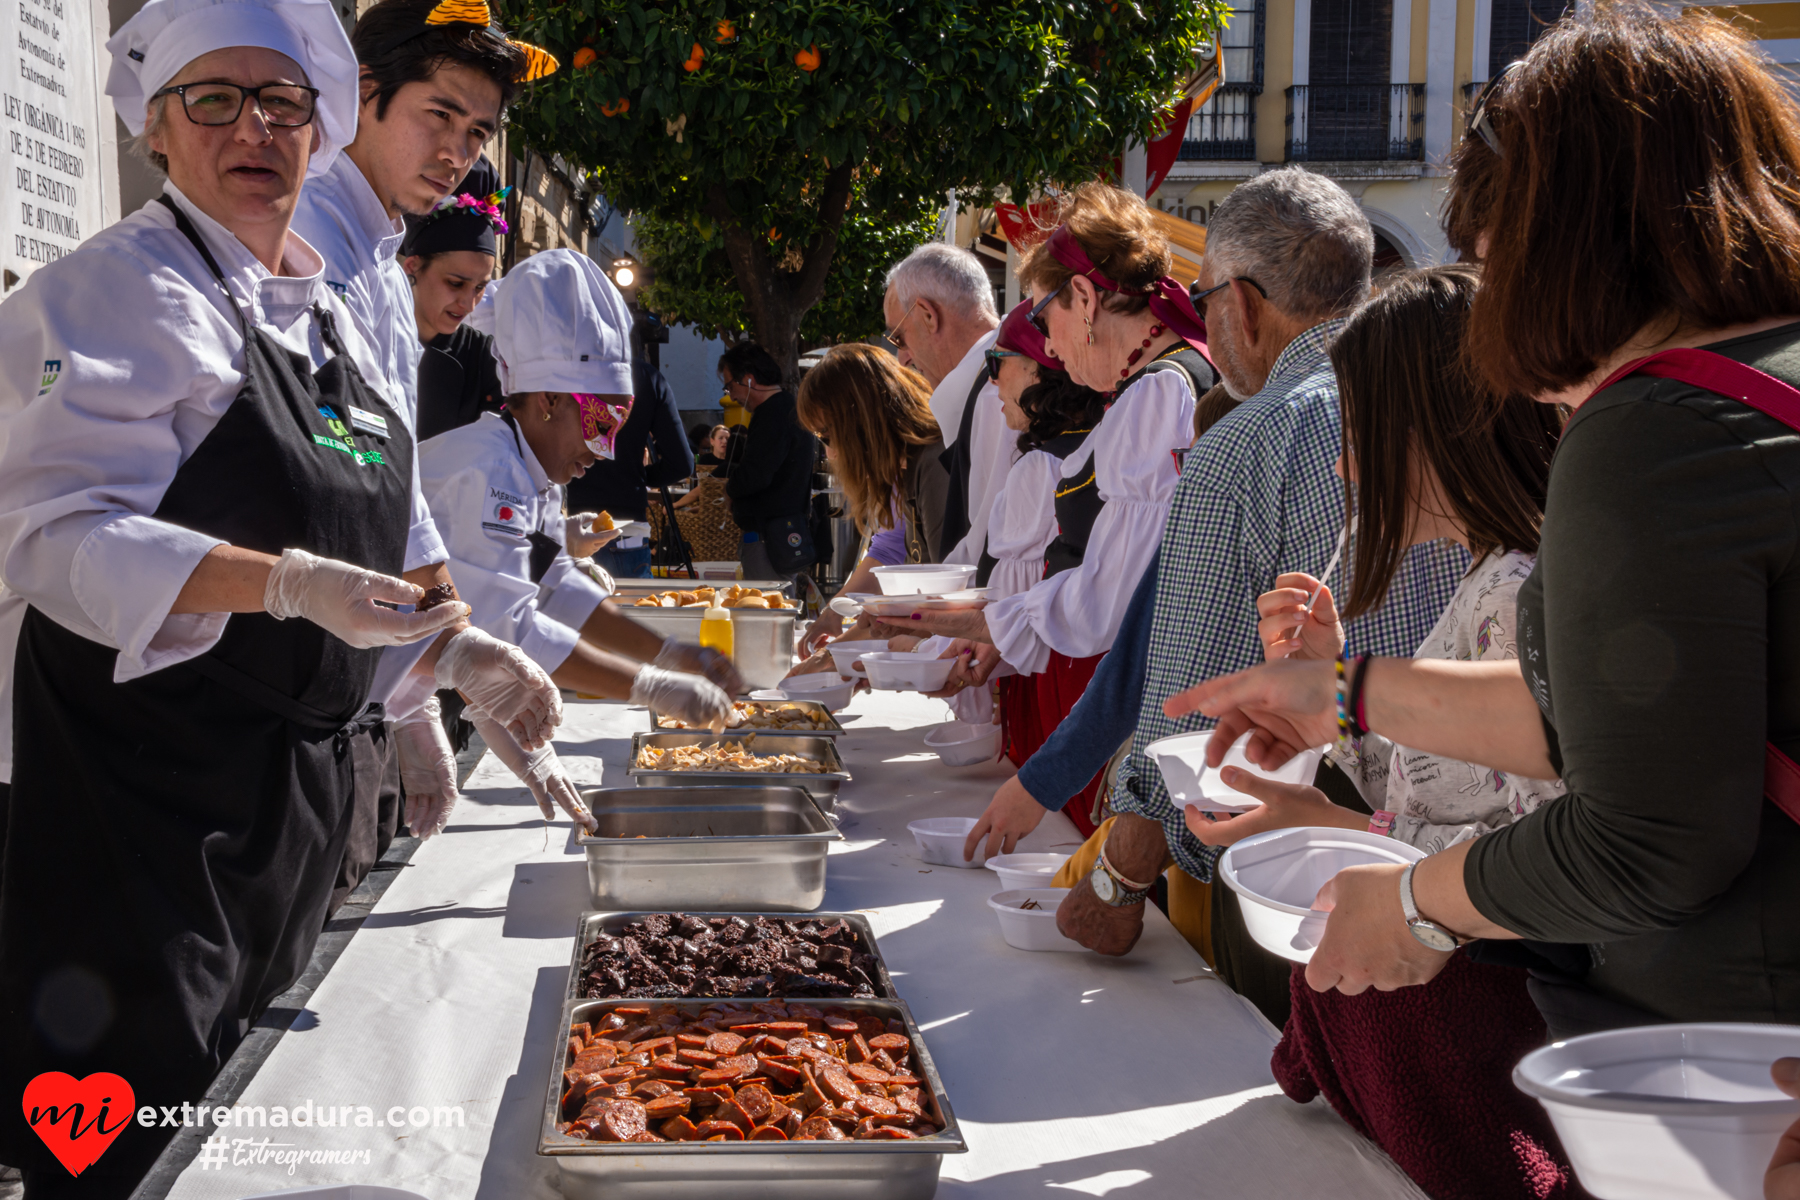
505 513
75 1116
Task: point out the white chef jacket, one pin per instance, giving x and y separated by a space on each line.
1077 612
488 493
993 446
343 219
121 357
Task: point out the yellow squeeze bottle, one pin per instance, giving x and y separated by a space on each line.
715 629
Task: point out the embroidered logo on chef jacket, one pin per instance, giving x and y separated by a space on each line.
342 289
52 368
506 514
341 438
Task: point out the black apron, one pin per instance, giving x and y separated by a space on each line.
173 840
458 381
957 460
1078 501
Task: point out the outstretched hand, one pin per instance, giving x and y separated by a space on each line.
1291 706
1284 806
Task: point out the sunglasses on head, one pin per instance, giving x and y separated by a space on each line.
993 357
1481 123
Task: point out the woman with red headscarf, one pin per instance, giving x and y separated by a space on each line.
1104 306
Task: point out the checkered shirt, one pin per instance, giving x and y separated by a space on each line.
1258 497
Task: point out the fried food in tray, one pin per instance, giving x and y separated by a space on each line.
704 597
732 1073
730 755
758 714
664 955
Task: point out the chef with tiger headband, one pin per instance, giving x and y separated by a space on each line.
562 334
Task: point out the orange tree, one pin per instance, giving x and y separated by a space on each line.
762 123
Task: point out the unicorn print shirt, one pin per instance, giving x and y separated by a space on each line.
1436 802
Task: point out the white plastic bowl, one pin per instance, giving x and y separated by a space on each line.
941 841
1665 1111
1026 870
959 744
350 1191
1032 928
827 687
1182 761
904 670
911 579
1278 875
845 654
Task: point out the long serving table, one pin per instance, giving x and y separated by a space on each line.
1138 1077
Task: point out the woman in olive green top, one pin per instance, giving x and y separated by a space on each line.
1632 186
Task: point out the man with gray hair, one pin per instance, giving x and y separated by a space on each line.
1288 257
940 315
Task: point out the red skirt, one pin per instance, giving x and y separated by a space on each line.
1032 706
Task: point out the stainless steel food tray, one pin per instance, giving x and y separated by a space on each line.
593 924
762 640
727 848
625 591
830 729
824 787
849 1170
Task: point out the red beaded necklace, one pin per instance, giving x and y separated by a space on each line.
1155 332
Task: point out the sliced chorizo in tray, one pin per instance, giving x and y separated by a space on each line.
693 1076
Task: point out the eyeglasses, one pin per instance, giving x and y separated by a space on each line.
283 105
1199 298
1037 308
993 357
892 336
1480 122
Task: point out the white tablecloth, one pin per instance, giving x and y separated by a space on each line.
1138 1077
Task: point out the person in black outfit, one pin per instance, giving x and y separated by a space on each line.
448 256
617 486
770 483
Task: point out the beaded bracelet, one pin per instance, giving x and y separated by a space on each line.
1343 707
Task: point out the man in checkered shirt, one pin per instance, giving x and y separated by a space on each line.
1288 257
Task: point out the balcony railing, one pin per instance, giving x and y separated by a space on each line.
1224 129
1380 122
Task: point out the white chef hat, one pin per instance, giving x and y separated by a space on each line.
561 326
166 35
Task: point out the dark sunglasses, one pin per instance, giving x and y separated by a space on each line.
1037 308
1481 122
993 357
1199 298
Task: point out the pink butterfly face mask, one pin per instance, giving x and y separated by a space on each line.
601 421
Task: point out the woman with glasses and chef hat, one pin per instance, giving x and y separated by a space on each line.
205 495
562 335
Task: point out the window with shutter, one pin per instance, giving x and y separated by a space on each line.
1515 25
1348 89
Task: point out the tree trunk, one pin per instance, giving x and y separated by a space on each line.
779 300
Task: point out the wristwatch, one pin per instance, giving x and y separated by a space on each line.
1431 935
1113 889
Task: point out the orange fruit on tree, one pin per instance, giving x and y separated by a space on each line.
727 30
695 57
617 108
586 57
808 59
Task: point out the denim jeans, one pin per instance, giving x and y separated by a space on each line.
624 564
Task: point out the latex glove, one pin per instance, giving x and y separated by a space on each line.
427 769
696 702
597 573
541 771
499 682
340 599
677 655
580 538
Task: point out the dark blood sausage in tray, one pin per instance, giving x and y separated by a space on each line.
764 1072
677 954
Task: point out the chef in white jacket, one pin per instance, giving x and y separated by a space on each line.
204 497
562 335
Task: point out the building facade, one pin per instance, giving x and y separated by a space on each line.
1373 94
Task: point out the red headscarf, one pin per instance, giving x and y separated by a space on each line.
1019 335
1168 299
